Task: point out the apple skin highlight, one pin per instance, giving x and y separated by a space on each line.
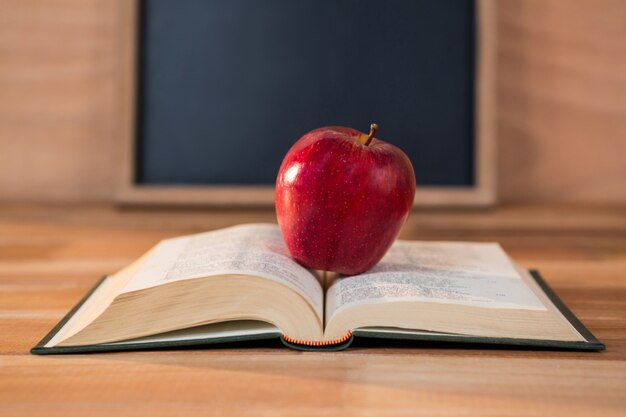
341 203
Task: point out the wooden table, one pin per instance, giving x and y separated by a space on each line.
49 256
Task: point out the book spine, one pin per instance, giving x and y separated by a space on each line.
318 343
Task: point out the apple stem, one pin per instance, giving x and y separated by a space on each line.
373 130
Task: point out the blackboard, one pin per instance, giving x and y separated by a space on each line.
225 87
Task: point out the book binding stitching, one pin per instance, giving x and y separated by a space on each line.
314 343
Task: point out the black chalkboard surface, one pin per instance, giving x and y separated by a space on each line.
225 87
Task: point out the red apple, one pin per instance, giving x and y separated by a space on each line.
342 197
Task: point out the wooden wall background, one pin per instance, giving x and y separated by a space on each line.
561 118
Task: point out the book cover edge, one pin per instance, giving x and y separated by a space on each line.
42 343
567 313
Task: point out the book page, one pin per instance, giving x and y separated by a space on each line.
476 274
252 249
228 329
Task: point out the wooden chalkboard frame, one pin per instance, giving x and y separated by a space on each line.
482 193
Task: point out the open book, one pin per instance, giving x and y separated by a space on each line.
240 283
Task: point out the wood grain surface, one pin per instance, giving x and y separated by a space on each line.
561 100
51 255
